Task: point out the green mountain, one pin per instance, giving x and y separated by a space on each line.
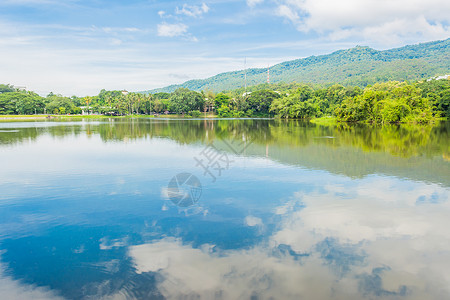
358 66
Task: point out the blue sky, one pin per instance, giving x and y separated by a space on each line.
78 47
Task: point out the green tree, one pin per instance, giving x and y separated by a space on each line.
300 104
260 101
438 93
56 102
183 101
160 96
221 99
25 103
389 102
6 88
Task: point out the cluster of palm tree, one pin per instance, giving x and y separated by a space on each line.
119 103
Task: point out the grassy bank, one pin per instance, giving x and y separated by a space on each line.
11 117
327 121
80 117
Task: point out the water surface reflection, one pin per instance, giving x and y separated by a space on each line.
306 212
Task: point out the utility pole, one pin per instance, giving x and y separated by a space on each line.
245 75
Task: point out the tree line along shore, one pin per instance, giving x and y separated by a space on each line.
385 102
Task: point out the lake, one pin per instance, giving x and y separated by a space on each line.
223 209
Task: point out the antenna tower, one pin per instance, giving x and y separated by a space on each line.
245 74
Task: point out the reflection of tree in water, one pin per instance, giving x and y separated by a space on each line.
187 131
120 130
16 136
398 150
11 136
399 140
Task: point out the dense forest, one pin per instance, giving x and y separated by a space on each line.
358 66
387 102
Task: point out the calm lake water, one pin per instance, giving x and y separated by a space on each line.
223 209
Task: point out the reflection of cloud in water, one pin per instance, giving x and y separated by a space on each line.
370 211
253 221
235 274
107 244
380 217
14 290
368 240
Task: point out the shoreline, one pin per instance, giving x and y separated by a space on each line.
327 121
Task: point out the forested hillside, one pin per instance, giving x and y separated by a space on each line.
359 66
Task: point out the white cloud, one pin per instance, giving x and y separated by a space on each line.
175 30
252 3
171 30
82 72
191 38
385 21
116 42
288 13
15 290
192 10
180 29
120 29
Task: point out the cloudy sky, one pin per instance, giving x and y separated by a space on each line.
78 47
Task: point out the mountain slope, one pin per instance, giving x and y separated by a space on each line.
356 66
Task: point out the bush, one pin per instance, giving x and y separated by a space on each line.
195 113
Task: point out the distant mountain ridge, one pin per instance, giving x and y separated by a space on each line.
358 66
